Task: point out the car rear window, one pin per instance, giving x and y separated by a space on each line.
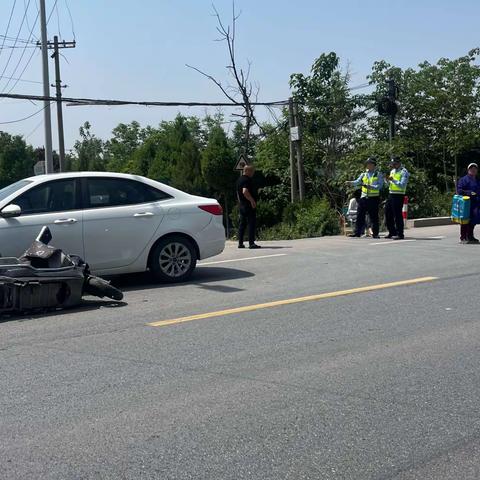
114 192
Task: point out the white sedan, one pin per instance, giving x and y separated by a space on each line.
118 223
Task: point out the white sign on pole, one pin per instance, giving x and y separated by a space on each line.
294 134
39 168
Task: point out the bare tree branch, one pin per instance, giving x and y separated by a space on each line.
242 87
219 85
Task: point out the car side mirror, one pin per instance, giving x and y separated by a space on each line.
11 211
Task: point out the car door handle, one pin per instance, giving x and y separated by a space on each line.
61 221
143 214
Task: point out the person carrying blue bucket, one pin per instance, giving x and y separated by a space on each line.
469 186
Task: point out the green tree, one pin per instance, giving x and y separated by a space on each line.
328 115
272 159
238 141
217 167
438 119
88 151
16 159
119 150
177 156
218 161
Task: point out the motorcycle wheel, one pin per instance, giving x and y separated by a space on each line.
101 288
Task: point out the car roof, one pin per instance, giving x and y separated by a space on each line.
51 176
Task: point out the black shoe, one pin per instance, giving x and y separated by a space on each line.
474 240
376 236
389 236
354 235
399 237
254 246
241 245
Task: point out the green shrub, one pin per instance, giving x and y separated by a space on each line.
268 215
316 218
289 214
234 216
312 218
281 231
431 204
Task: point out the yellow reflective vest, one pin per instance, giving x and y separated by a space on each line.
366 180
397 176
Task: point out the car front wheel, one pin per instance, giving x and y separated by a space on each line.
173 259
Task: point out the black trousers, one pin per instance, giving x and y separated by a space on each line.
393 214
466 231
368 205
248 216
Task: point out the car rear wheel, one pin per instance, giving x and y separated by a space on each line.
173 259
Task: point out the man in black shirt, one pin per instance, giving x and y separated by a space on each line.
247 198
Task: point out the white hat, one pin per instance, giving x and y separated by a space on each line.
472 165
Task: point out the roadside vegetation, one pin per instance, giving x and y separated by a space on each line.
438 134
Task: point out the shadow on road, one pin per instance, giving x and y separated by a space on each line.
201 277
85 306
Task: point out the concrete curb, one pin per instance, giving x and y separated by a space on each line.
429 222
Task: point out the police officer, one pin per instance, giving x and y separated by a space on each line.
371 182
397 181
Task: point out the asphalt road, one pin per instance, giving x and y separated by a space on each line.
377 383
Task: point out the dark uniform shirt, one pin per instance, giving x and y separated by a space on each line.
245 182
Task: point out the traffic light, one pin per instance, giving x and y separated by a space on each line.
387 106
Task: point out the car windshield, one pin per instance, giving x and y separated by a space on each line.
14 187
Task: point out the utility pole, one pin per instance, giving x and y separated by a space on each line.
298 143
46 91
293 163
58 86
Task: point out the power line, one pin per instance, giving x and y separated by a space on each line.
34 130
58 21
26 118
360 87
22 55
16 39
17 102
9 47
51 11
8 25
71 18
19 79
19 40
28 23
102 102
23 80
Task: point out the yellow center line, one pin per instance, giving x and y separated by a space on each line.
290 301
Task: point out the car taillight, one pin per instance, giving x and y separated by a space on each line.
214 209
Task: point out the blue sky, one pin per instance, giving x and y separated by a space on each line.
138 50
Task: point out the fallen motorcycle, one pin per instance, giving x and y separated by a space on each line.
45 277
